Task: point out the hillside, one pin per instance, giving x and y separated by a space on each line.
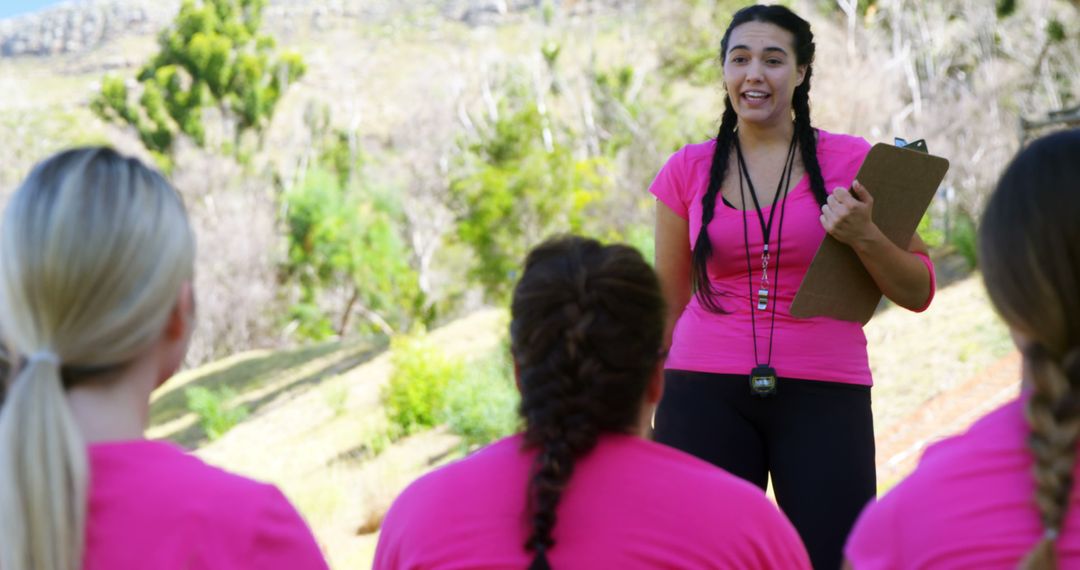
935 372
415 91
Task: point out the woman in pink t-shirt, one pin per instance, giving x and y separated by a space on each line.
1003 494
581 487
96 309
750 388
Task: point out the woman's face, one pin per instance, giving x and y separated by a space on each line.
761 72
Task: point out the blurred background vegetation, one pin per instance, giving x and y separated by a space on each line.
360 172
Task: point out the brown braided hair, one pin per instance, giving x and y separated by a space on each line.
586 331
807 138
1029 245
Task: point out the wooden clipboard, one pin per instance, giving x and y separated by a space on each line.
902 182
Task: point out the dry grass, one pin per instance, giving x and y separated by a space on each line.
317 437
917 356
315 430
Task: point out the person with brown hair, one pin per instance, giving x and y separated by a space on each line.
1002 493
751 388
582 487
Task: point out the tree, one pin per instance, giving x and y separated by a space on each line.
518 184
212 57
343 236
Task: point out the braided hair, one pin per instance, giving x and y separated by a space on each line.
1029 245
586 331
804 133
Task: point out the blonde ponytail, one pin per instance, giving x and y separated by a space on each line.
43 485
94 249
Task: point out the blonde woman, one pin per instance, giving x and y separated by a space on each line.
96 309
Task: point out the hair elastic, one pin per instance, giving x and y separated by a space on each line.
44 356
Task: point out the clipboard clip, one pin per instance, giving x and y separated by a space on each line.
916 145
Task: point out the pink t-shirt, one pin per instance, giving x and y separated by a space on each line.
969 504
630 504
817 348
154 506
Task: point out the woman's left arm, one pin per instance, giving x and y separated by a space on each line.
899 273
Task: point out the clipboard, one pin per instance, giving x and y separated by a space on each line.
903 181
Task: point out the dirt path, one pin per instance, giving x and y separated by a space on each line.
946 414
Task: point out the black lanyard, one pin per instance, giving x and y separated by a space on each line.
781 185
766 233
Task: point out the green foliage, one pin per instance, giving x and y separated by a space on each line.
642 238
618 112
521 171
1006 8
933 236
345 237
428 388
212 408
965 239
416 393
1055 31
337 398
212 56
377 440
693 54
482 406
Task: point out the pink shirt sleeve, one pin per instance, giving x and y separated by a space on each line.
872 544
669 186
282 538
933 280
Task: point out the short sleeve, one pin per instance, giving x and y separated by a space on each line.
872 543
282 538
669 186
925 258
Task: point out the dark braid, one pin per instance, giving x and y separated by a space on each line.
804 132
587 324
1029 250
807 137
703 245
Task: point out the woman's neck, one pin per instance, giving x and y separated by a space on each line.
757 135
113 409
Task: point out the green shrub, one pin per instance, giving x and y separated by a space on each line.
336 398
416 393
212 408
929 232
482 406
965 239
346 238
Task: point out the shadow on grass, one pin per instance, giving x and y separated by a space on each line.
256 372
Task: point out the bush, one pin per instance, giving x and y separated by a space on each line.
346 238
929 232
416 393
965 240
482 406
211 406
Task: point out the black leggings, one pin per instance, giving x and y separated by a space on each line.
815 438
